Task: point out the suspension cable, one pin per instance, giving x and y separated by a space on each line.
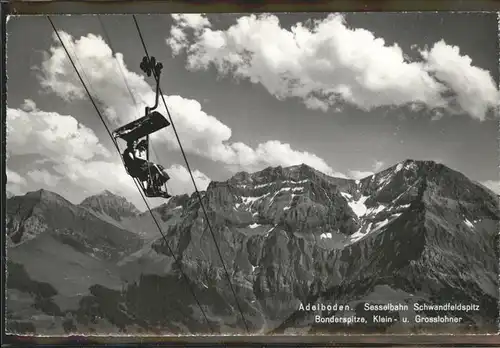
194 183
145 201
108 39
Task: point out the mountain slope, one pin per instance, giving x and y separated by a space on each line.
43 211
442 248
62 245
415 231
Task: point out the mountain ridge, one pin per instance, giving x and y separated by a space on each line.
292 235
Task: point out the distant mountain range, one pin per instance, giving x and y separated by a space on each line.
418 232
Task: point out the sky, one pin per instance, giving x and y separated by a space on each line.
348 94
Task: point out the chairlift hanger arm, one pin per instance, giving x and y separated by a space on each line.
152 67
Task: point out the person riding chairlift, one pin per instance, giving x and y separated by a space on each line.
142 169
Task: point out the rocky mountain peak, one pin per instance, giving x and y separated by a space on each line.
274 174
242 177
43 196
302 169
265 175
113 205
408 168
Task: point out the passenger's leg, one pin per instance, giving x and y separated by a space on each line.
163 173
160 174
163 177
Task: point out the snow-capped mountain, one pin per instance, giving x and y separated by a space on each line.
416 231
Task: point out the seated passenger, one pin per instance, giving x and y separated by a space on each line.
151 174
134 163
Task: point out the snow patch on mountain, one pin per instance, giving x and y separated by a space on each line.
409 165
375 210
325 235
261 185
371 227
398 168
358 206
363 231
269 231
468 223
250 200
346 195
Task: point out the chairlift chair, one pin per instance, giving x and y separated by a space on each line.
143 127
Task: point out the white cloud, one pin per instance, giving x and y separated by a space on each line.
76 157
360 174
29 105
200 133
35 132
194 21
73 150
16 184
100 67
330 64
378 165
277 153
44 177
94 176
180 181
15 178
493 185
178 38
474 88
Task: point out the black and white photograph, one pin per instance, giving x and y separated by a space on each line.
252 174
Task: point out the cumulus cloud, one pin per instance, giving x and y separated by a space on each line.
360 174
200 133
178 37
101 73
33 132
180 180
493 185
15 182
327 64
44 177
378 165
73 150
474 89
75 156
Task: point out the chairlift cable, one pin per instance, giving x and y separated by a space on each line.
194 182
113 52
73 49
144 199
